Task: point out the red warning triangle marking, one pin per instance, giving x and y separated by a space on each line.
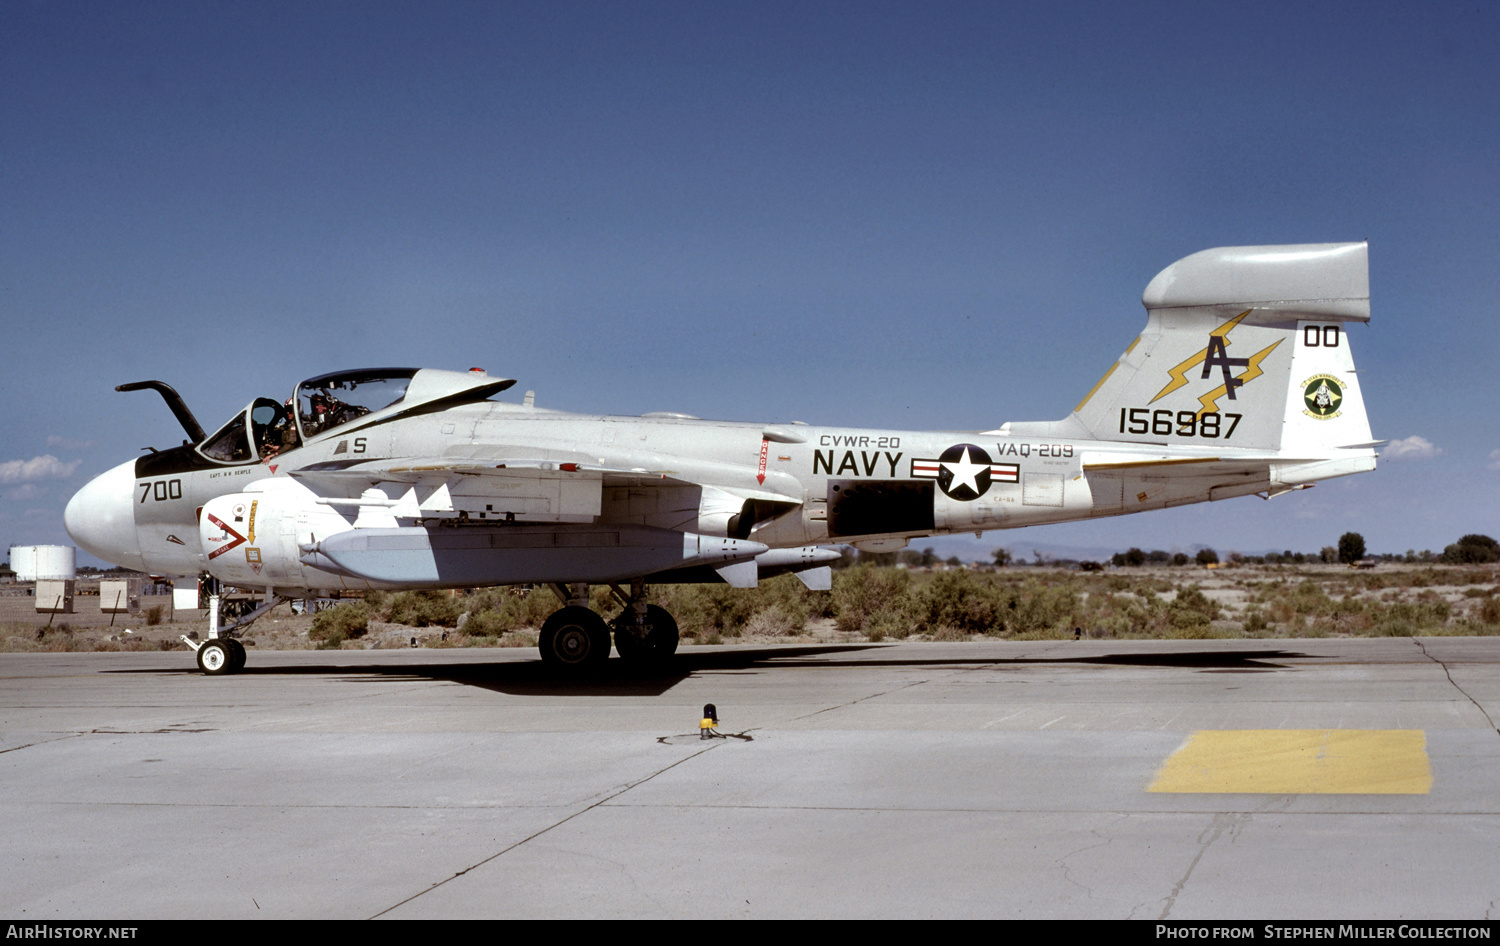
238 539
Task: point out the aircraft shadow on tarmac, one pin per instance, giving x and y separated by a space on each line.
616 678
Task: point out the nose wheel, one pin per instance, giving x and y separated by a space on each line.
220 656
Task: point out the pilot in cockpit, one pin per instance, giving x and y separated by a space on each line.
281 434
322 413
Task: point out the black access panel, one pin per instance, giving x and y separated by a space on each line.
869 507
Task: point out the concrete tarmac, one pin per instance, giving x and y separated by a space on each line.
1006 779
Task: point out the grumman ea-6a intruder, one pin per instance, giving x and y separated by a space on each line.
400 478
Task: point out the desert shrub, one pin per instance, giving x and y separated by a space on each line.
1410 618
23 637
883 624
960 600
865 592
498 610
773 622
1038 606
1488 611
485 624
1152 586
153 615
333 626
1192 608
1424 578
780 605
425 609
1255 622
1117 615
1375 581
787 593
1194 632
1310 598
707 609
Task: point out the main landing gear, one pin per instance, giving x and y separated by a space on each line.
576 637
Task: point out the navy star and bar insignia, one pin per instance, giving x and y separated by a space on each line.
964 471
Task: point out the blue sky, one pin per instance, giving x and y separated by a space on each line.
890 215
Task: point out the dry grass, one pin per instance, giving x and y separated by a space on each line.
872 604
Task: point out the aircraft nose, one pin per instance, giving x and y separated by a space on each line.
101 518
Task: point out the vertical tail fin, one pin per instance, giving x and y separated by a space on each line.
1243 347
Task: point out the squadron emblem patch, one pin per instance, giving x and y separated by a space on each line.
1322 394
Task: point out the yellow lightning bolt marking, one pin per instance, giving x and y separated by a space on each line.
1210 401
1179 373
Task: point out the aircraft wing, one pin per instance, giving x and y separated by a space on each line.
553 516
556 488
338 474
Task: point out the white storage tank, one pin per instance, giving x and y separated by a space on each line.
44 562
23 562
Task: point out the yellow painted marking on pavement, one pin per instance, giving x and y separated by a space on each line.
1299 761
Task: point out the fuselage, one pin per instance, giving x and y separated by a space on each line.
869 487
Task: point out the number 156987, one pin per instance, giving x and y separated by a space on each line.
1163 423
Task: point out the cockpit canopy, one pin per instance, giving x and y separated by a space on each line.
332 400
266 428
259 430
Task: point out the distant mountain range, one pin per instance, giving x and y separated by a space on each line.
971 549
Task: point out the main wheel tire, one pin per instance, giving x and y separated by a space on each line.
575 637
659 642
215 658
237 655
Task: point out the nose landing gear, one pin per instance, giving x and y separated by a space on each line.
218 655
221 655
